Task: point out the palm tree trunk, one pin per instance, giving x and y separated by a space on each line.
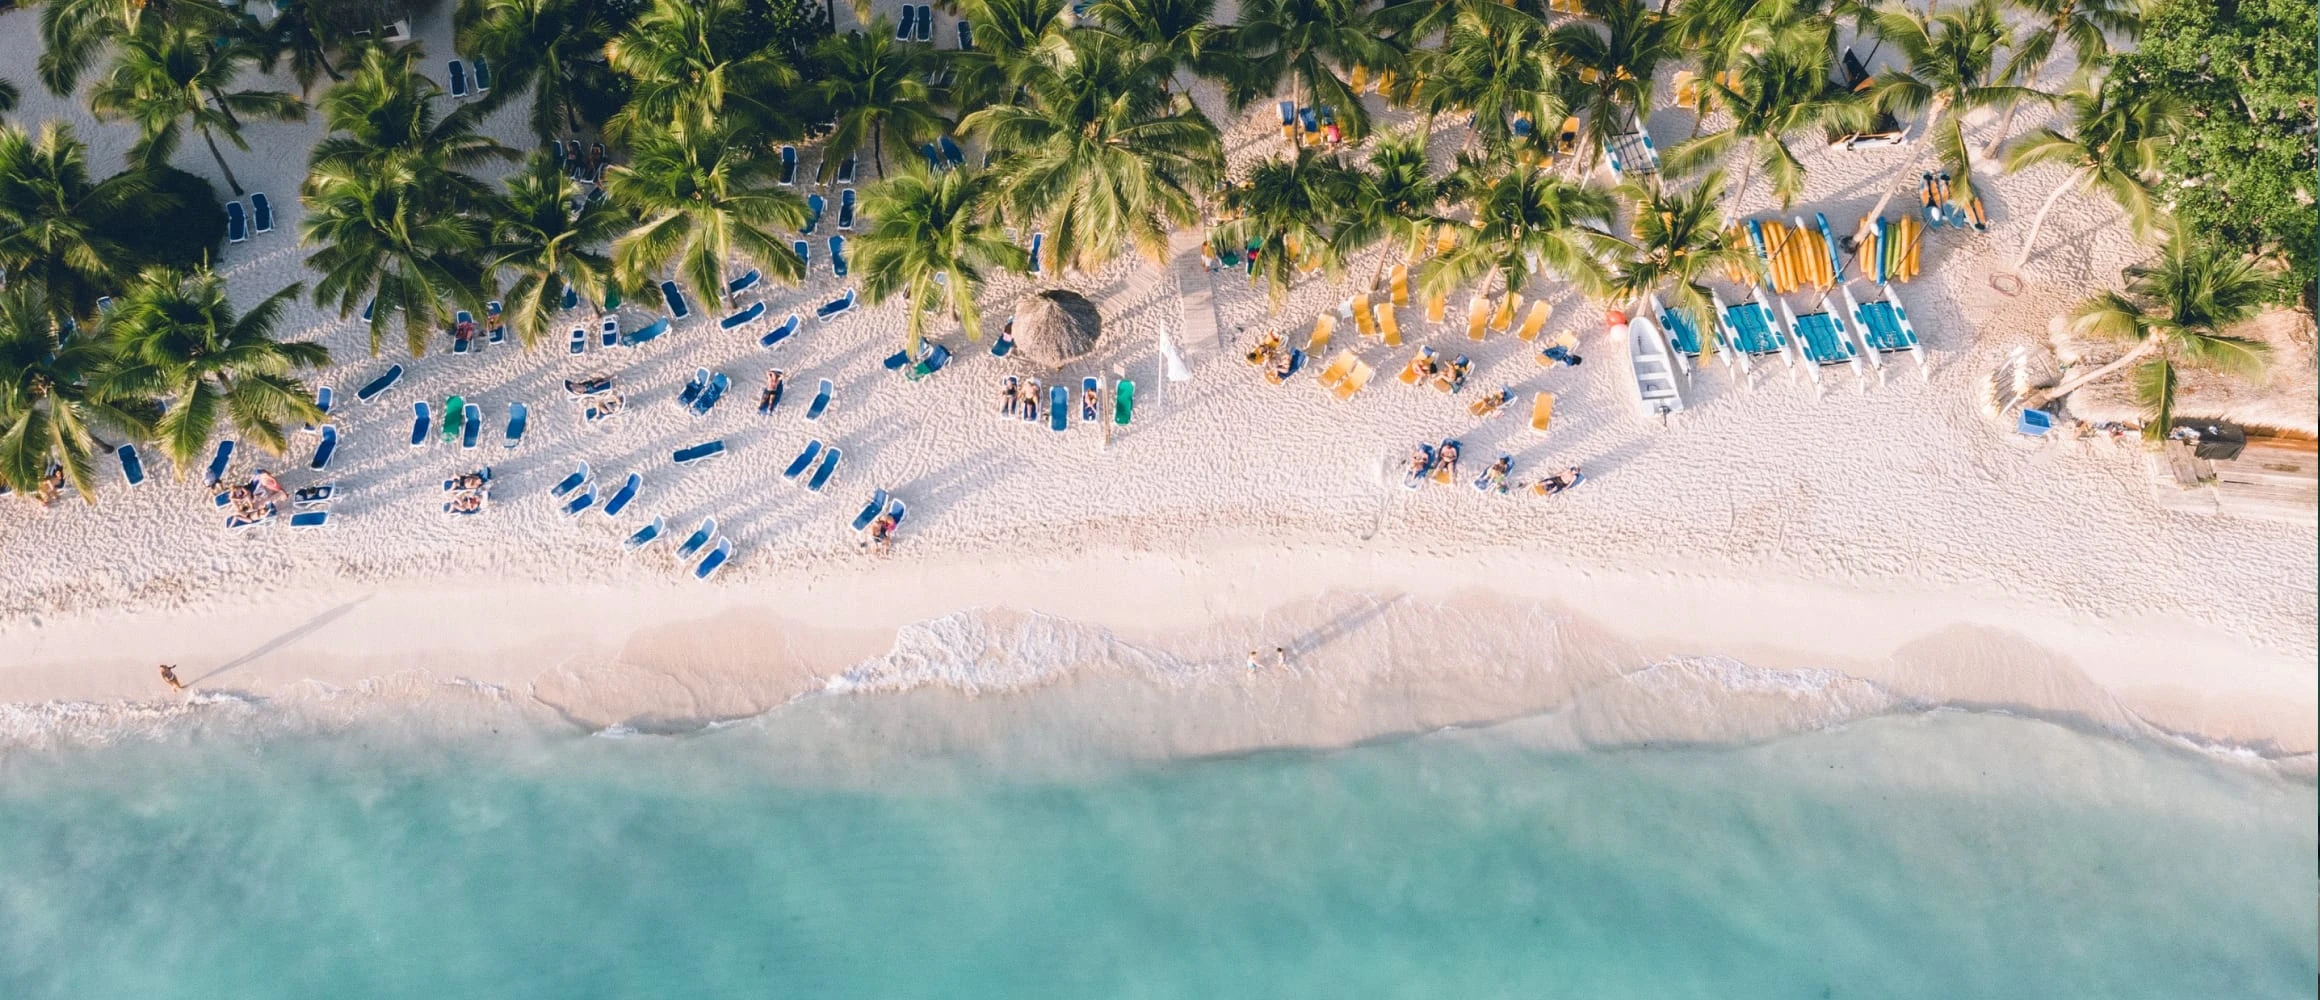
221 162
2039 223
878 147
2143 350
1740 191
220 100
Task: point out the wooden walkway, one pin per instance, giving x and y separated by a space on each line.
2275 479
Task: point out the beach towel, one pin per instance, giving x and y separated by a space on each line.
838 256
1123 402
678 309
743 283
310 519
714 561
627 493
519 419
645 333
261 213
236 227
821 401
806 456
699 452
779 333
834 308
932 363
1058 407
814 205
458 79
644 536
579 339
788 166
718 383
471 429
744 317
846 210
324 449
821 478
577 479
870 510
584 500
132 466
698 538
454 417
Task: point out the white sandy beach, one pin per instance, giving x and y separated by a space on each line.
1773 558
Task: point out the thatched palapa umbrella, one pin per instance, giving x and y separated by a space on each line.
1055 327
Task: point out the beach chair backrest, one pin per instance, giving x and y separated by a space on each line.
1542 411
1477 313
1388 326
1536 319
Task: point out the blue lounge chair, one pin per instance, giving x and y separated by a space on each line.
1003 346
846 210
718 383
1310 121
779 333
519 420
838 256
571 298
897 510
624 496
829 465
324 449
933 157
608 332
952 154
1058 407
314 495
744 317
1288 116
694 388
932 363
835 308
385 381
577 479
845 173
556 153
420 423
482 75
237 226
925 22
699 452
675 298
644 536
1038 244
698 538
788 166
966 36
310 519
821 402
471 426
324 396
896 360
805 254
218 461
579 339
814 205
370 307
104 304
1523 126
1091 404
645 333
584 500
715 560
870 510
2034 423
806 456
458 79
239 523
743 283
261 213
132 466
909 20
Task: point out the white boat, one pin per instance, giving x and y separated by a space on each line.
1658 387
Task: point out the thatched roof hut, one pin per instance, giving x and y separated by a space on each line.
1055 327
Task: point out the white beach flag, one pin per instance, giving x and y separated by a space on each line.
1177 372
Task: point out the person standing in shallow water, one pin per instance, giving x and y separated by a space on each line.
169 677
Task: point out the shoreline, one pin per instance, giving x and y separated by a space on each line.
1383 643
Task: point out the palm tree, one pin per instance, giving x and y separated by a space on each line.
1098 154
74 32
1291 211
1774 96
2088 25
880 94
1170 36
176 337
383 120
551 245
1680 240
1307 41
48 415
702 201
1005 33
691 70
549 50
1607 73
2118 131
1952 71
300 35
932 240
2175 312
50 217
1498 71
1398 199
166 78
1410 21
1528 221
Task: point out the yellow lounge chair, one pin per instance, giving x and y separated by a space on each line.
1542 411
1323 326
1441 475
1388 325
1437 305
1445 239
1363 322
1533 322
1409 375
1385 84
1358 80
1503 319
1401 284
1354 381
1477 313
1334 372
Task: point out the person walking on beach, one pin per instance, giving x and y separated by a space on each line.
1255 664
1280 656
169 677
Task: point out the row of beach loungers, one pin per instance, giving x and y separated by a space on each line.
1752 331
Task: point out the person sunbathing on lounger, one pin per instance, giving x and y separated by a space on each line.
1447 457
269 485
1457 374
1264 350
1558 482
1561 356
1421 461
882 534
1277 370
1030 396
1494 478
1087 405
1010 396
588 386
771 397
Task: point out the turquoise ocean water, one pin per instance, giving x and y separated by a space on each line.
1944 856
